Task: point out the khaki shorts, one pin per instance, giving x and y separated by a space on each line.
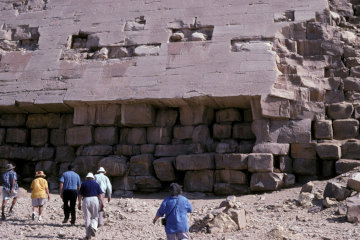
6 195
176 236
38 202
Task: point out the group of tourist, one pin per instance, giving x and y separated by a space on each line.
90 195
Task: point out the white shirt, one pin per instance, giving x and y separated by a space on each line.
104 183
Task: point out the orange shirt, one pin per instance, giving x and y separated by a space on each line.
38 188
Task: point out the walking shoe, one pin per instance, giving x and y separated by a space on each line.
3 217
40 218
33 216
92 231
65 220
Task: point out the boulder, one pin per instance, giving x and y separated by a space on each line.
303 150
222 131
57 137
354 182
243 131
77 136
341 110
147 183
16 135
39 137
266 181
273 148
346 165
12 120
166 117
159 135
305 199
351 149
233 161
228 115
114 165
231 176
85 164
346 128
164 169
97 150
305 166
64 154
336 190
141 165
195 162
323 129
196 115
328 151
199 181
106 135
224 189
353 209
222 223
290 131
137 115
260 162
183 132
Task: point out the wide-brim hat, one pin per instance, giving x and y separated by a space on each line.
9 167
40 174
90 175
101 169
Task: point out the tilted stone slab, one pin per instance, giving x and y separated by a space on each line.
199 181
64 154
85 164
323 129
303 150
195 162
106 135
354 182
340 110
243 131
226 189
17 135
234 161
77 136
164 169
39 137
346 128
183 132
231 176
195 115
228 115
273 148
141 165
166 117
290 131
137 115
336 190
159 135
328 151
305 166
353 209
266 181
346 165
260 162
114 165
222 131
12 120
97 150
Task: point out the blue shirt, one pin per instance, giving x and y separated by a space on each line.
71 180
176 221
90 188
7 179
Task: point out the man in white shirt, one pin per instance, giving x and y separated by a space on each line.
106 188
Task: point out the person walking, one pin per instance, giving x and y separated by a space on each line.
175 208
69 185
39 191
106 187
91 194
10 187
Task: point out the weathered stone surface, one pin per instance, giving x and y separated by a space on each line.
328 151
351 149
261 129
228 115
114 165
137 115
10 152
64 154
195 115
2 135
323 129
225 189
222 131
147 148
126 183
346 128
141 165
303 150
133 135
201 134
266 181
195 162
273 148
182 133
274 107
39 137
16 135
43 153
85 164
164 169
246 146
127 150
340 110
346 165
57 137
107 114
106 135
97 150
159 135
231 176
227 146
234 161
12 120
304 166
293 131
243 131
336 190
37 121
147 183
166 117
260 162
353 209
84 114
285 164
354 182
199 181
77 136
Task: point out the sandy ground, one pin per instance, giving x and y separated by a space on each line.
272 216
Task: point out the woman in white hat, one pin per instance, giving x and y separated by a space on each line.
39 190
106 187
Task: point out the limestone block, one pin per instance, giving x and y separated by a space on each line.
227 146
77 136
195 162
127 150
307 110
147 184
228 115
323 129
328 151
66 121
199 181
124 133
246 146
107 114
97 150
183 132
274 107
327 168
289 179
226 189
159 135
84 114
106 135
43 153
114 165
57 137
230 176
353 209
164 169
351 84
2 135
137 115
177 149
243 131
304 166
261 129
290 131
12 120
124 183
198 36
346 128
16 135
355 71
285 164
196 115
354 182
273 148
345 165
24 153
147 148
201 134
233 161
141 165
336 190
146 50
39 137
222 131
341 110
37 121
266 181
303 150
260 162
166 117
85 164
64 154
351 149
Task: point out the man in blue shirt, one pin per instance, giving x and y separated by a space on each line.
175 208
91 194
10 187
69 185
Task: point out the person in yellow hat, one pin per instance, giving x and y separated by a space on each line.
39 190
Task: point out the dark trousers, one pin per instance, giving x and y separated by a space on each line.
70 195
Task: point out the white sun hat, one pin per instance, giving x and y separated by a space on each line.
101 169
90 175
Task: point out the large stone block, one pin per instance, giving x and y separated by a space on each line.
183 132
226 189
166 117
273 148
336 190
77 136
85 164
305 166
195 162
261 129
328 151
303 150
289 179
16 135
351 149
243 131
274 107
147 183
195 115
260 162
141 165
346 128
354 182
137 115
266 181
39 137
84 114
37 121
12 120
230 176
234 161
164 169
346 165
353 209
114 165
126 183
228 115
136 136
201 134
107 114
323 129
66 121
127 150
57 137
177 149
106 135
64 154
199 181
290 131
54 120
43 153
222 131
97 150
2 135
341 110
246 146
147 148
159 135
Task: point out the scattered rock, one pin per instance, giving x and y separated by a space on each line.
308 187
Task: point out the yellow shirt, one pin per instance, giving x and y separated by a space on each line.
38 188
